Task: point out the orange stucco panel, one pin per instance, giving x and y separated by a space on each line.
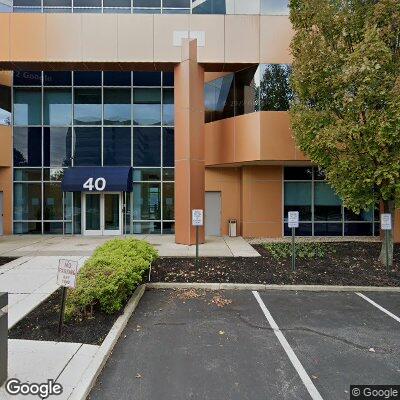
256 137
5 37
277 142
189 143
228 182
27 37
6 146
262 201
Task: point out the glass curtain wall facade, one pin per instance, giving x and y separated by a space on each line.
260 88
64 119
266 7
321 211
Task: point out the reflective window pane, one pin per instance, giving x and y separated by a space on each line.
52 201
87 147
146 174
168 78
327 229
358 229
176 3
57 3
53 174
146 147
275 92
117 146
219 98
168 174
27 228
57 78
246 92
87 107
168 147
168 107
117 78
27 201
274 7
57 145
146 201
327 205
168 201
304 229
27 147
209 7
87 3
147 107
117 107
146 3
298 198
27 78
5 105
146 78
27 174
27 107
298 173
57 107
27 3
116 3
87 78
145 228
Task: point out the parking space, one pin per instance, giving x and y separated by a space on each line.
195 344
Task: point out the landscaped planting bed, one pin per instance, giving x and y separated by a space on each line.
104 285
348 263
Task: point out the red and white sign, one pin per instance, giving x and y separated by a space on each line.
67 271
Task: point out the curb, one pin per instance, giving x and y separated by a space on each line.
245 286
88 379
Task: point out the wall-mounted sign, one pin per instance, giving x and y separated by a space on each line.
386 222
293 219
67 271
197 217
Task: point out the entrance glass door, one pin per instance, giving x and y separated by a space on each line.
102 213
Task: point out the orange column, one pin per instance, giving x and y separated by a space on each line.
189 143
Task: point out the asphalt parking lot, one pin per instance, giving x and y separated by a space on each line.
196 344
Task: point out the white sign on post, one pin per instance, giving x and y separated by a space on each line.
386 222
197 217
67 271
293 219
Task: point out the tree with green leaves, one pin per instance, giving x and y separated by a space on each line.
346 111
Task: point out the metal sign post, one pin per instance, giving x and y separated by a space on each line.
66 278
293 221
386 225
197 221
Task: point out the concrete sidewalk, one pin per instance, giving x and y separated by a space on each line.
36 361
16 246
29 281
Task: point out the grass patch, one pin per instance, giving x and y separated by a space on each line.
305 251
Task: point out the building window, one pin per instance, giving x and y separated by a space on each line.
117 146
5 105
321 211
84 127
117 107
57 104
260 88
275 7
27 107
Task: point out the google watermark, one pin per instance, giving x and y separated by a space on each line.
43 390
374 392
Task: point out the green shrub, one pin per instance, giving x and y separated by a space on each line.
109 277
306 251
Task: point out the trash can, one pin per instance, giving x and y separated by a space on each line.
232 227
3 337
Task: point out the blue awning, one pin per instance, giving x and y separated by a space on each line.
97 179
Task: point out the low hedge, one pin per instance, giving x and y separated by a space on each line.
109 277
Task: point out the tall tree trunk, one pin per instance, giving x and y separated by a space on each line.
388 207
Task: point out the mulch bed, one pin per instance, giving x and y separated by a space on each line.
6 260
42 324
350 263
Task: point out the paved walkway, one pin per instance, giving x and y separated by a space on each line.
63 362
29 281
84 245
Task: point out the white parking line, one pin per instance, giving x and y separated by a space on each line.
289 351
395 317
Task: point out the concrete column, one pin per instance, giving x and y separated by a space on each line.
189 143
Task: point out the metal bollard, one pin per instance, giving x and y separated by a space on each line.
3 337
